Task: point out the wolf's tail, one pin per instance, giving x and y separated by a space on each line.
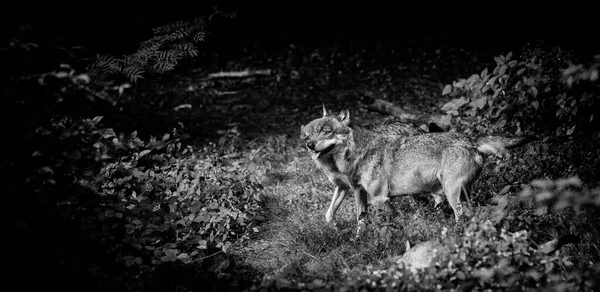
499 145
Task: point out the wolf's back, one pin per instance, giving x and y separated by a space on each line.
395 128
498 145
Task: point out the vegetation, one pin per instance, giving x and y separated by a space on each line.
193 183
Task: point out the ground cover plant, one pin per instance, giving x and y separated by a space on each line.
178 167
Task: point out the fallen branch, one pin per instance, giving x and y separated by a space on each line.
239 74
386 107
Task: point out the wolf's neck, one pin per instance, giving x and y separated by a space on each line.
357 145
360 138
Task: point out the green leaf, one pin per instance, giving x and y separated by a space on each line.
478 103
144 152
535 104
497 92
108 133
534 91
183 256
460 83
484 73
492 81
97 119
473 78
508 56
195 207
226 246
502 70
447 90
446 120
129 229
138 174
571 70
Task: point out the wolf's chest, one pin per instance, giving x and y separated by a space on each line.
335 172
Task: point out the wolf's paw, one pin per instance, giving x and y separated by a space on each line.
360 229
329 218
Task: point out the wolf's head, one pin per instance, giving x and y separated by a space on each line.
326 135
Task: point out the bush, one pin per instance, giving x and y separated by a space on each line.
541 91
490 254
144 203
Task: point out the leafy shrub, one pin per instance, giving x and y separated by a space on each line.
487 255
543 90
484 258
172 204
146 202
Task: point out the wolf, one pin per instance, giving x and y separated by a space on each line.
376 166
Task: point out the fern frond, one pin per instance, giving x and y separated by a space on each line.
133 73
199 36
199 23
165 65
154 43
174 55
107 63
168 28
186 47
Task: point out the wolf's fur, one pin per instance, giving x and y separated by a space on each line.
378 165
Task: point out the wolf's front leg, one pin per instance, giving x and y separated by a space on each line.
338 197
361 200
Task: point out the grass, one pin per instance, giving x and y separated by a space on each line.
297 245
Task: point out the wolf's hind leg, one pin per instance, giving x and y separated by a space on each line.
453 189
459 169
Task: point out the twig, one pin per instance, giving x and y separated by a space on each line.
310 255
216 253
352 257
219 93
343 260
88 90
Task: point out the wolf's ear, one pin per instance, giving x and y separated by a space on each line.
301 129
344 117
325 111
